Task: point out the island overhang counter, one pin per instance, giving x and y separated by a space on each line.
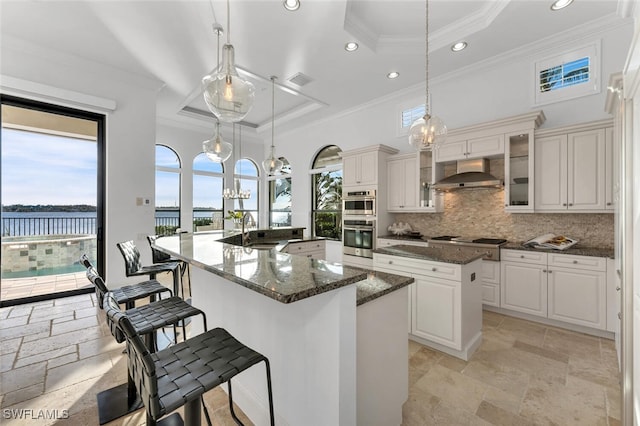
335 335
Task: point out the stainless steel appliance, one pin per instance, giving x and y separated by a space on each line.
488 247
470 174
359 203
358 237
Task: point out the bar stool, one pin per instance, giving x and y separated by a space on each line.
181 374
133 266
158 256
128 294
146 320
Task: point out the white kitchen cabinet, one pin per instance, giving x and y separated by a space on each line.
524 287
570 171
519 172
360 169
403 183
435 308
609 186
313 249
445 302
563 287
486 146
490 283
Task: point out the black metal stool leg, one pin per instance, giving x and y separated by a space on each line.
271 413
233 413
192 415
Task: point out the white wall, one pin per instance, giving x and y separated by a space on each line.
130 132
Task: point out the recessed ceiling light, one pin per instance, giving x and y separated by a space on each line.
393 74
461 45
291 4
560 4
351 46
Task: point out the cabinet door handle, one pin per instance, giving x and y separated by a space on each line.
391 262
522 256
575 262
609 204
506 205
544 270
564 204
619 315
618 288
433 269
570 204
550 271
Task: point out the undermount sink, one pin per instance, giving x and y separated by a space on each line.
236 240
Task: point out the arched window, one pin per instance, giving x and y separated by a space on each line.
167 190
280 196
246 178
326 190
208 181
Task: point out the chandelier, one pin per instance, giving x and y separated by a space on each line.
428 132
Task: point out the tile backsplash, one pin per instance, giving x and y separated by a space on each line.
480 212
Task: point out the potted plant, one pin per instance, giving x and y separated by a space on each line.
235 216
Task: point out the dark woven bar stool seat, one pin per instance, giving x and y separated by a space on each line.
158 256
181 374
128 294
133 266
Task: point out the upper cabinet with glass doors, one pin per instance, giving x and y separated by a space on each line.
518 172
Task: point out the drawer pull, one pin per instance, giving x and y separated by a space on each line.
390 262
550 271
564 204
575 262
433 269
522 256
544 270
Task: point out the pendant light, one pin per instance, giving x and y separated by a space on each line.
227 95
428 132
216 149
272 165
236 193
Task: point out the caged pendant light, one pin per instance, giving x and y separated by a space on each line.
428 132
216 149
272 165
227 95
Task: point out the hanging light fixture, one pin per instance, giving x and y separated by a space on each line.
227 95
236 193
428 132
215 148
272 165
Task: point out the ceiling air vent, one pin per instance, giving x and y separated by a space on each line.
300 79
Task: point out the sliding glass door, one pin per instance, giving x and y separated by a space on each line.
52 194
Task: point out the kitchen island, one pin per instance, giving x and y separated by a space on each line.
446 297
335 335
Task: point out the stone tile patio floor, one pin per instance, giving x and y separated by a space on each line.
16 288
58 355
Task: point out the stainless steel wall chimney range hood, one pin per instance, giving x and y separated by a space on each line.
470 174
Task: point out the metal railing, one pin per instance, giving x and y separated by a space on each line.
25 226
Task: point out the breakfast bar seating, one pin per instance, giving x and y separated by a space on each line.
147 320
179 375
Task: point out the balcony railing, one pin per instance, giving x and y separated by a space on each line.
25 226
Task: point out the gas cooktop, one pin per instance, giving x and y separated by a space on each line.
456 238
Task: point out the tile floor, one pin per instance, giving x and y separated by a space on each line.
57 355
16 288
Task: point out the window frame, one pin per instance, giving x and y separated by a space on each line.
404 106
178 170
591 87
270 180
314 210
198 172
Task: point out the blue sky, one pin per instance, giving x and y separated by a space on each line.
47 169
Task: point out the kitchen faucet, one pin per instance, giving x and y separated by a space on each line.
245 235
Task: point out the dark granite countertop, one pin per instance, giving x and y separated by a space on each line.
404 238
457 255
280 276
378 284
575 250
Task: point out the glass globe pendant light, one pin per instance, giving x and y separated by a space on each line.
227 95
429 132
272 165
216 149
